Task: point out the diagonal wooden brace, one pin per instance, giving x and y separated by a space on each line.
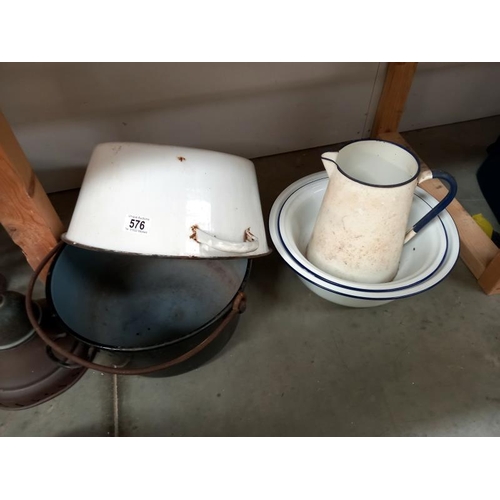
25 210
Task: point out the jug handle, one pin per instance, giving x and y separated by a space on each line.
249 244
450 196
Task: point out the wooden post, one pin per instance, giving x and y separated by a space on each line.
392 101
25 210
490 278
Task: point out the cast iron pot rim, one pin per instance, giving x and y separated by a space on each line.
104 347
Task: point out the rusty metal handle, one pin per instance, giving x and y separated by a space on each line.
238 307
64 364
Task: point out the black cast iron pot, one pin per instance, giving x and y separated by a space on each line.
174 313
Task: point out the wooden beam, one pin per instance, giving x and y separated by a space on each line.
476 249
490 279
25 210
392 101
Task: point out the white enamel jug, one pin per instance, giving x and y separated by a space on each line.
362 223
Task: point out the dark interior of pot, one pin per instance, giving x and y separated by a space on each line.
173 351
129 302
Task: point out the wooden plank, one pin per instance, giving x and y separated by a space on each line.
25 210
476 249
392 101
490 279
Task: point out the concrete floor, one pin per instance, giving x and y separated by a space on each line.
298 365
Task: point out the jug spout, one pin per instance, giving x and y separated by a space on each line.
329 162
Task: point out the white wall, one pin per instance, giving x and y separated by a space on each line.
452 92
60 112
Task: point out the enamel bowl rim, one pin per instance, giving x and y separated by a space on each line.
443 271
400 284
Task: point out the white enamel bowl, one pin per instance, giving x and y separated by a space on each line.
436 248
169 201
420 258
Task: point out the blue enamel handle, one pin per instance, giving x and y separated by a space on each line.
452 192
